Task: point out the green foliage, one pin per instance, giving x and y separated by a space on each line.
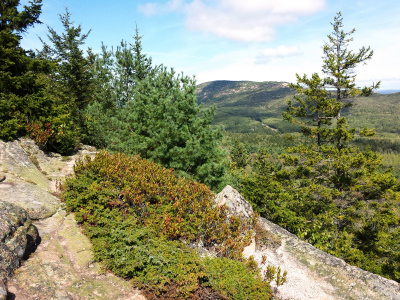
70 82
22 99
336 199
317 105
238 154
141 219
315 109
235 280
159 119
331 194
339 63
275 274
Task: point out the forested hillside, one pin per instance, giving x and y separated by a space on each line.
252 112
246 106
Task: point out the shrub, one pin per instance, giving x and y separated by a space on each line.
39 134
235 280
143 219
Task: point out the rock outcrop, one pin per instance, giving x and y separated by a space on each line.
62 266
312 274
18 239
235 202
25 185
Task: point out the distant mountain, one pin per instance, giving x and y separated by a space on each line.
388 91
246 106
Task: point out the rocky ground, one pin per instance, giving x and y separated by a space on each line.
62 266
311 273
44 255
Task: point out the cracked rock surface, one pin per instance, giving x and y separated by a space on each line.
311 273
62 266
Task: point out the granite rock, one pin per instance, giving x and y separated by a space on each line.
18 239
312 273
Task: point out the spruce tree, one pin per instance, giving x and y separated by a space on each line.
320 101
22 98
238 154
328 192
72 78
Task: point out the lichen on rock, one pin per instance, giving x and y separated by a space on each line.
312 273
18 239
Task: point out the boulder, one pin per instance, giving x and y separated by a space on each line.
18 239
25 185
312 273
38 202
237 205
14 160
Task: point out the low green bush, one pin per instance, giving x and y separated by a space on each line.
235 280
143 221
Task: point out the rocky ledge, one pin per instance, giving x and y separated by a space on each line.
32 219
311 273
18 239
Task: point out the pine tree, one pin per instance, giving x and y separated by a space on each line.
163 124
142 63
238 154
316 105
22 98
152 111
116 74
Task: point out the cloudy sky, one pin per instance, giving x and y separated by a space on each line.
257 40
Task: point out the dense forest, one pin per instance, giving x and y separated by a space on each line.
301 153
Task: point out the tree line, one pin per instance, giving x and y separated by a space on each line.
119 100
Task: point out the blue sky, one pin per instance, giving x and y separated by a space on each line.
257 40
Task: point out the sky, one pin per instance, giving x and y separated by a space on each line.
255 40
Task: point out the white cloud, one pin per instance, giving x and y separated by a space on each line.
240 20
250 20
280 52
150 9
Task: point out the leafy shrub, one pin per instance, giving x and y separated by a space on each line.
142 219
235 280
39 134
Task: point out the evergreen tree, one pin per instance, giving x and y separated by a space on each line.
116 74
339 64
329 193
163 124
238 154
72 78
142 63
22 98
151 111
319 108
